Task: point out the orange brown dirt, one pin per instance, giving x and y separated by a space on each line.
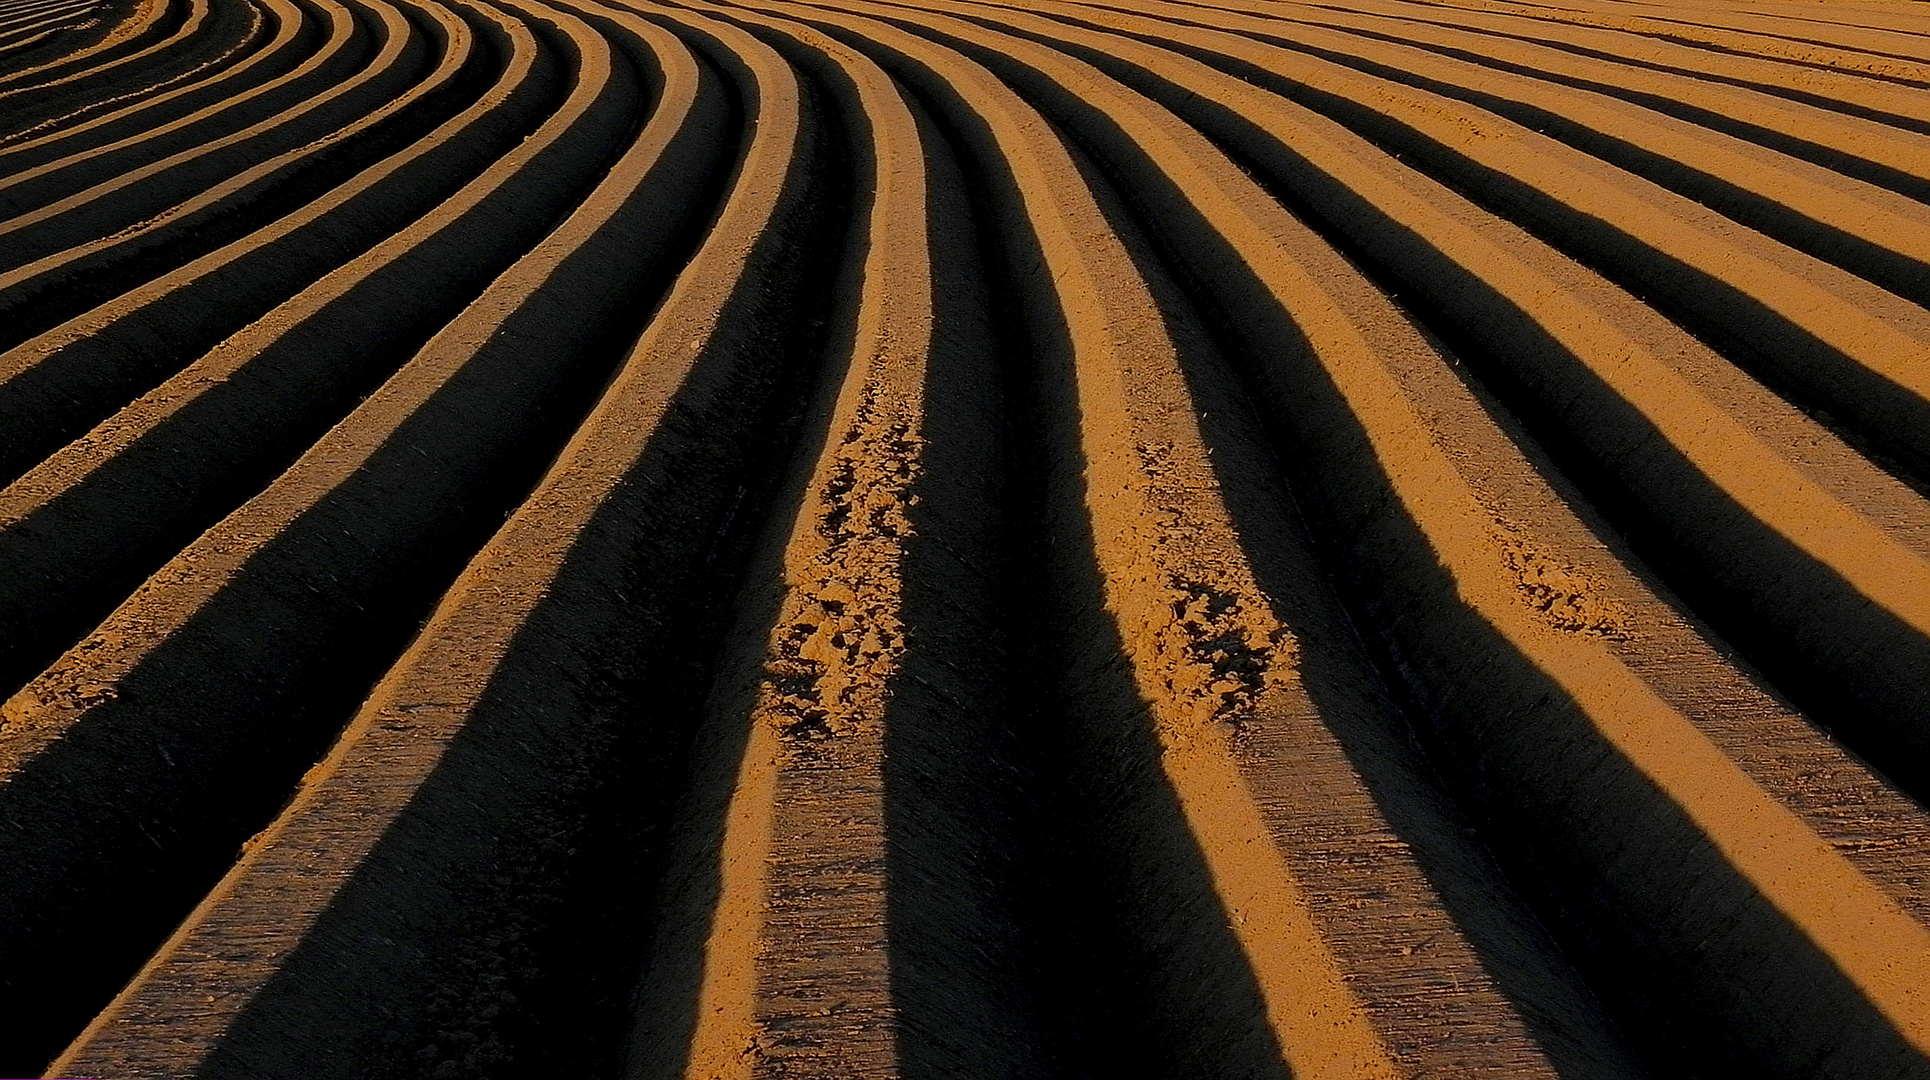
964 539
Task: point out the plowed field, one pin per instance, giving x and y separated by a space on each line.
980 539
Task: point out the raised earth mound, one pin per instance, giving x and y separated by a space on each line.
964 539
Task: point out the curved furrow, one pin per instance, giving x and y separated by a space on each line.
843 864
1819 522
101 116
35 27
778 539
17 13
1890 17
1715 42
67 283
1156 735
357 73
543 641
1298 937
1865 99
193 36
1788 317
245 92
27 37
58 383
147 117
20 16
249 24
312 585
146 28
1348 793
1857 93
92 520
1813 41
39 19
1482 533
1807 204
1876 152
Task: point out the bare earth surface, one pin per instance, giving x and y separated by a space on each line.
964 539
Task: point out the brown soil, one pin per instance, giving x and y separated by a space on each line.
730 539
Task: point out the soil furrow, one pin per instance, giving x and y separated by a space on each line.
151 29
1879 235
32 28
854 742
1320 812
266 198
357 79
1423 558
783 539
59 43
1130 809
244 93
1741 29
146 118
560 639
1894 17
1627 432
28 36
1160 776
1881 153
214 54
1502 608
89 523
1713 46
240 660
60 382
1846 89
34 16
1805 326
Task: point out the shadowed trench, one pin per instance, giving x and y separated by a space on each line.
775 539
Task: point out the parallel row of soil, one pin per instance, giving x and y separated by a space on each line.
964 538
